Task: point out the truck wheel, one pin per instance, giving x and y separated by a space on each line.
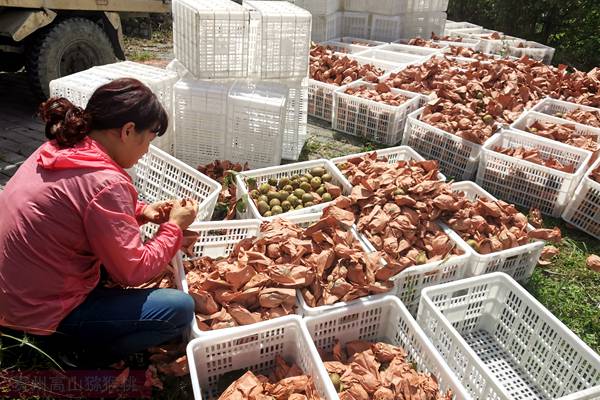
72 45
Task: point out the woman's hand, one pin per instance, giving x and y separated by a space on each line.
183 213
189 239
158 212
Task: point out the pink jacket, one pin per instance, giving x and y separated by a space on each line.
63 214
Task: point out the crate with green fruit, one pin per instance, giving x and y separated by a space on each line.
290 189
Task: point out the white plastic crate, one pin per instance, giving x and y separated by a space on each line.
385 28
400 59
320 94
458 157
262 175
465 42
357 41
282 39
357 5
211 38
409 283
384 320
518 262
256 115
325 27
552 107
296 121
77 87
320 7
451 26
427 6
503 344
340 47
528 184
355 24
424 52
583 210
158 176
393 155
255 348
375 121
320 99
528 118
216 239
422 24
159 80
534 50
493 46
200 117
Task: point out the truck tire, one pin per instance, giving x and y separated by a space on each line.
70 46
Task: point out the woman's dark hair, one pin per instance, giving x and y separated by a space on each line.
111 106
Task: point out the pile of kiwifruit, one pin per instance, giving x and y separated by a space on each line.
277 196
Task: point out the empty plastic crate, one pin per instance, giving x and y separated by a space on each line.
583 210
200 116
357 5
458 157
255 348
427 6
528 184
320 7
451 26
386 28
325 27
296 121
530 117
503 344
518 262
383 320
282 39
77 87
262 175
211 38
355 24
158 176
256 115
423 24
374 121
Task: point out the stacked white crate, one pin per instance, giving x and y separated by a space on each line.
284 34
390 20
326 18
79 87
249 59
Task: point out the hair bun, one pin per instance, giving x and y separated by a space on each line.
65 122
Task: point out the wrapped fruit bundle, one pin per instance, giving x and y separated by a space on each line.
396 206
294 192
329 67
591 118
566 133
378 371
533 155
285 382
490 226
223 171
381 93
595 175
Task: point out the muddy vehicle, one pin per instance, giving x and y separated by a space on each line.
54 38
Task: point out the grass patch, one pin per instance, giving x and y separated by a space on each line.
569 289
140 56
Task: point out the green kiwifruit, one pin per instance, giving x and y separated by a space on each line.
315 182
